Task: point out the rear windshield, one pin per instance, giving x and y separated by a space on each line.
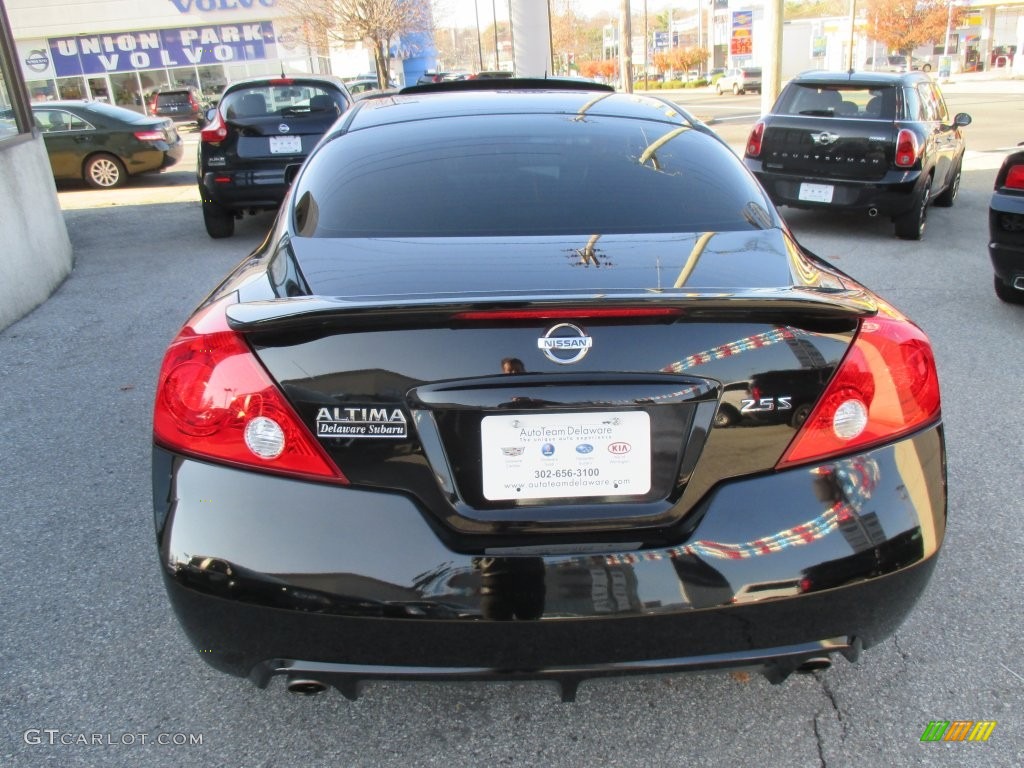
117 113
174 97
279 100
526 175
751 71
840 100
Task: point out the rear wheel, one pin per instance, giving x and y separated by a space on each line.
735 89
104 172
948 196
219 221
1008 294
910 225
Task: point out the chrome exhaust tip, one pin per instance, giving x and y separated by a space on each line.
814 664
1018 283
305 686
872 212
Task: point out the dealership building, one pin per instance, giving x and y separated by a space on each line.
120 51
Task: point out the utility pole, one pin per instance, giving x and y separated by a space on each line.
626 48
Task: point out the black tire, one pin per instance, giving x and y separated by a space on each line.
1008 294
725 416
948 196
910 225
219 221
104 172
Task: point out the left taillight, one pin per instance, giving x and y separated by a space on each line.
886 386
755 140
214 400
150 135
215 131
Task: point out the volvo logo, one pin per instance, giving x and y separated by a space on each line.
37 60
565 344
283 128
824 138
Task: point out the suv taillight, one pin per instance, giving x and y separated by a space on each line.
215 131
885 387
192 102
1014 177
907 148
754 142
214 400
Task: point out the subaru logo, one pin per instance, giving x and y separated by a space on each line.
283 128
584 448
824 138
565 344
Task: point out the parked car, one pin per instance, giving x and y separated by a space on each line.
477 440
182 105
494 74
874 142
103 145
257 137
355 87
1006 229
739 80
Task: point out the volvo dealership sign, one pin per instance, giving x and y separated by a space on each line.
206 6
149 49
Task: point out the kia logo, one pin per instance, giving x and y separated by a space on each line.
619 448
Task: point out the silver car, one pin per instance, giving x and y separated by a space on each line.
739 80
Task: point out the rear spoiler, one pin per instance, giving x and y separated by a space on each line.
781 305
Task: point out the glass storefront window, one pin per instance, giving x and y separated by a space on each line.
8 125
70 88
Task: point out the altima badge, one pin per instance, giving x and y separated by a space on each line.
565 344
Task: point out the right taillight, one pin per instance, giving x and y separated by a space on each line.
216 130
907 148
885 387
754 142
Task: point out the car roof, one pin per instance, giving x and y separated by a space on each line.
868 77
461 98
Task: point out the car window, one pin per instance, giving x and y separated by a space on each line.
751 71
838 100
278 100
172 97
58 120
460 179
928 109
116 113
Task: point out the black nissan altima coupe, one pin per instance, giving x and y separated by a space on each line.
455 418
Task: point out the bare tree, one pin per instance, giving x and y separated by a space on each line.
378 23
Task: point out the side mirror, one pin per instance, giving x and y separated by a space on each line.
962 119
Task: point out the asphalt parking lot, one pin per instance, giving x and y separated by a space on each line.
97 673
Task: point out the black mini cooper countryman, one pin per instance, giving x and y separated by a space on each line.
877 142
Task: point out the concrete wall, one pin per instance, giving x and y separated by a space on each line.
35 252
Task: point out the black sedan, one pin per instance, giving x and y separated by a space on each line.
479 439
1006 229
103 144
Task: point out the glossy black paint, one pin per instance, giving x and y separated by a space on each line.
262 570
1006 233
410 571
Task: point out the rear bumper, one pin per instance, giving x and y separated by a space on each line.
271 576
892 195
1006 237
263 188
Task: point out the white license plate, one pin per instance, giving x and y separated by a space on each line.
285 145
816 193
559 455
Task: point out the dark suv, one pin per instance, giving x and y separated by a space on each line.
182 105
256 140
877 142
